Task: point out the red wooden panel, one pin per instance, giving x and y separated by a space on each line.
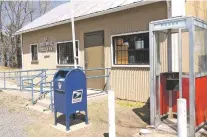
185 83
164 95
175 96
185 86
201 99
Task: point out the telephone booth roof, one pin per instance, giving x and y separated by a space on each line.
176 23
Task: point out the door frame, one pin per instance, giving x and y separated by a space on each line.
88 33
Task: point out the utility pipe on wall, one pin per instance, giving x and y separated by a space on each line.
73 34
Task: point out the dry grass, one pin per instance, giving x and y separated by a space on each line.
2 68
130 104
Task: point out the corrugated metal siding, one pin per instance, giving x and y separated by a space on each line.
131 83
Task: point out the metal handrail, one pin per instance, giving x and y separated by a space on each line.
16 71
101 76
21 77
32 85
91 69
50 90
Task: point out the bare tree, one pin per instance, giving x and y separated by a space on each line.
44 6
1 36
15 14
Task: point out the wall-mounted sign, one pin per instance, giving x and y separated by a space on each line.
46 45
179 23
169 24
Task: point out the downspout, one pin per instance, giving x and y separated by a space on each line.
73 34
21 37
169 10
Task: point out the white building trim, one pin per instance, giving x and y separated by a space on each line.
112 51
31 52
67 65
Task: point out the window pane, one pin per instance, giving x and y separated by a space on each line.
34 52
65 53
131 49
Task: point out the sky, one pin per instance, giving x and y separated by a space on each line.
5 18
56 3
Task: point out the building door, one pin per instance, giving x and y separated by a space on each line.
94 58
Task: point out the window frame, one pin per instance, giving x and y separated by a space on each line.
69 65
37 52
112 50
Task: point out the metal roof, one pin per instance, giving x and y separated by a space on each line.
82 9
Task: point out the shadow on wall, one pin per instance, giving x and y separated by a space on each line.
144 112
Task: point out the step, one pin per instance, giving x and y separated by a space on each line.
47 96
96 95
44 102
39 108
90 95
23 93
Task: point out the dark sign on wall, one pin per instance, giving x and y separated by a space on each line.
46 45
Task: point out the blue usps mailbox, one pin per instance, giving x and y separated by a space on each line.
70 94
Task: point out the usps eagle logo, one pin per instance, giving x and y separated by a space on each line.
77 96
59 85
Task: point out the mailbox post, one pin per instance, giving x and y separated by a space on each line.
70 94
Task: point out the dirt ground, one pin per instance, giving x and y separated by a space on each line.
130 118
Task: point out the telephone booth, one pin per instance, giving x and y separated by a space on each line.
178 69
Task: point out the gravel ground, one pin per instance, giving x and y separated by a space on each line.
12 123
16 120
21 121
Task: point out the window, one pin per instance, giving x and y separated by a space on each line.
34 52
132 49
65 53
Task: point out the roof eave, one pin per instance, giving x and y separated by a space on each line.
133 5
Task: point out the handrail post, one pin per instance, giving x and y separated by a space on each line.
22 83
32 93
40 88
45 75
108 81
20 80
41 85
9 75
51 96
4 81
15 76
